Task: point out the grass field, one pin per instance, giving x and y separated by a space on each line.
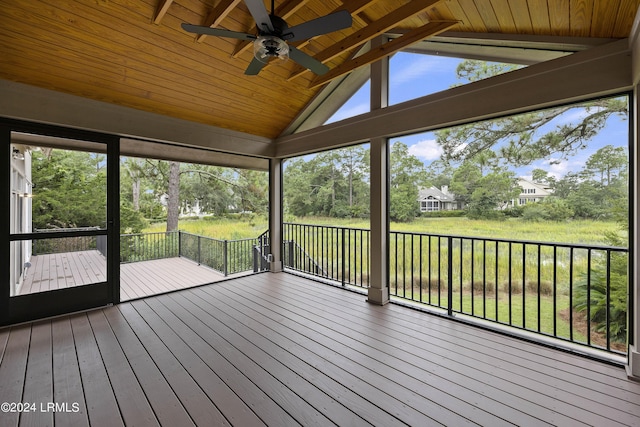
582 231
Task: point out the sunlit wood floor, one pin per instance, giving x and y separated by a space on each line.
137 279
280 350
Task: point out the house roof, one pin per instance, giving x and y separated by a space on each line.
135 54
544 189
434 193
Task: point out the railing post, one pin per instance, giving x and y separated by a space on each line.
199 247
343 256
290 243
450 276
255 258
224 258
179 243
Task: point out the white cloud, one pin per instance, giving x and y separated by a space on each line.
427 149
349 112
420 66
558 167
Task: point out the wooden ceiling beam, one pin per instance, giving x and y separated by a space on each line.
284 11
217 14
367 33
161 10
413 36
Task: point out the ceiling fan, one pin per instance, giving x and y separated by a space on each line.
273 34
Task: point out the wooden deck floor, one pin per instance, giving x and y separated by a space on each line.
279 350
137 279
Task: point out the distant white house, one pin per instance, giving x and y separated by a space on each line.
532 192
433 200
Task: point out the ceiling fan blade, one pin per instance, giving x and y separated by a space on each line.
307 61
323 25
198 29
260 14
254 67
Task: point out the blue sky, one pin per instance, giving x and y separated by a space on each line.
415 75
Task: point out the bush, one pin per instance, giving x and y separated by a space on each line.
443 214
618 301
514 212
550 209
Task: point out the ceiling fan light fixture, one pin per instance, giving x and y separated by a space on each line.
266 47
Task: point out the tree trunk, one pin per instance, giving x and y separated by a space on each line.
136 193
173 196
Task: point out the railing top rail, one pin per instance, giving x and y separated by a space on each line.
526 242
326 226
489 239
148 234
190 234
64 230
220 240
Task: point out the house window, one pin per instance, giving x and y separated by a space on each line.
430 205
522 201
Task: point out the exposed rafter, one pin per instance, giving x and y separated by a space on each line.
367 33
217 14
163 6
386 49
284 11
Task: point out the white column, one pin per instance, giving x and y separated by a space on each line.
275 214
633 368
378 274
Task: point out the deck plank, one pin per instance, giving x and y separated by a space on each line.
463 370
308 360
518 358
38 383
102 407
164 402
390 382
132 400
226 399
495 366
277 349
67 384
277 365
13 369
200 407
257 399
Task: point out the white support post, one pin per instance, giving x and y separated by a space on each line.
275 214
378 275
633 367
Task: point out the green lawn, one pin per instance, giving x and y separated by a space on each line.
575 231
579 231
239 227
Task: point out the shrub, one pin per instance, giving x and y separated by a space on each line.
443 214
618 301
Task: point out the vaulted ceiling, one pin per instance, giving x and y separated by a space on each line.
134 53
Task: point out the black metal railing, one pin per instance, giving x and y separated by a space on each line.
148 246
225 256
54 245
261 253
573 292
335 253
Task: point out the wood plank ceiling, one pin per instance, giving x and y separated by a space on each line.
134 53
